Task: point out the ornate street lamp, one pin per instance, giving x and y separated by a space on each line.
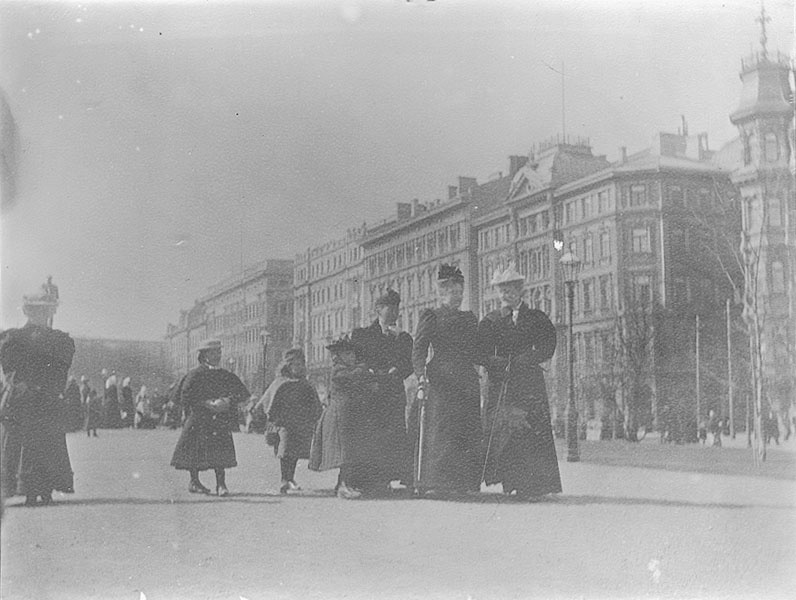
570 265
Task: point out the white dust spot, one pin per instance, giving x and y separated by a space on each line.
38 31
78 20
60 117
141 29
138 148
136 475
142 596
351 12
654 568
30 35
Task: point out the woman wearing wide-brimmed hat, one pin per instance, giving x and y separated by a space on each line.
210 395
343 435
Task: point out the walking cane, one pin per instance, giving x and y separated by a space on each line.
501 397
421 437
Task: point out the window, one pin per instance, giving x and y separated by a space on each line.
775 212
606 293
676 195
777 278
588 250
641 240
605 246
680 291
545 224
587 296
570 212
772 147
638 195
642 289
603 202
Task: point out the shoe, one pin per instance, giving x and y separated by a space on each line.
293 486
30 501
197 488
346 493
221 490
46 499
283 489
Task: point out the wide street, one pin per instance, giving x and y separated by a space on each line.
634 521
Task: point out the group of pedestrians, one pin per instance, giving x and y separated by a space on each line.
443 443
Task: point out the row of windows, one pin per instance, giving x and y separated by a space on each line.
680 196
598 203
585 250
332 263
494 237
417 250
413 285
534 223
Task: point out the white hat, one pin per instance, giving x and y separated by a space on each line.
210 344
507 275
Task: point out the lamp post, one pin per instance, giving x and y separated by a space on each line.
570 265
264 338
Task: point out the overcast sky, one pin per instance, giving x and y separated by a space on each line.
159 143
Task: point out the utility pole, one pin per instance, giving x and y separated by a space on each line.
730 387
698 391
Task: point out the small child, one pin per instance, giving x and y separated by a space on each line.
292 408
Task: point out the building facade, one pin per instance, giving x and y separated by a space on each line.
765 179
252 314
327 298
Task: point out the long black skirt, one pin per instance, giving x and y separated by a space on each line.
205 443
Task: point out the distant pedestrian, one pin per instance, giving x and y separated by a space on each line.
292 408
714 427
93 413
112 418
702 431
144 417
72 406
210 396
127 404
515 340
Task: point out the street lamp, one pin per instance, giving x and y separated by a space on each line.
570 265
264 338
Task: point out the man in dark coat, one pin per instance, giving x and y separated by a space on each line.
388 354
210 395
514 340
35 360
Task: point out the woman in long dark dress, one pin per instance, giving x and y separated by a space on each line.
292 408
35 360
211 396
343 437
444 356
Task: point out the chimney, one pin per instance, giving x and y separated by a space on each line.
466 184
623 150
404 210
516 163
452 191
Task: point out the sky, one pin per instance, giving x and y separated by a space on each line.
158 146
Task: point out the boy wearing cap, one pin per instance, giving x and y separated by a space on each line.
514 340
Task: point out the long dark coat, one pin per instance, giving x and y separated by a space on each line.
35 459
73 406
112 417
127 406
521 453
206 439
294 409
382 352
452 449
345 434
